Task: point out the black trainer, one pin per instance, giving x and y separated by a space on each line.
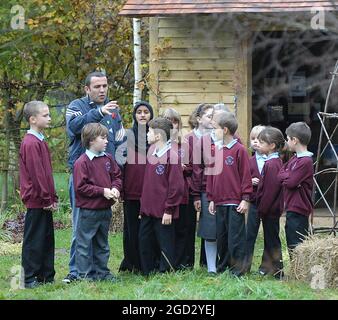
69 278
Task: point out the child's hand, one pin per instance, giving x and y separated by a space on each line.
166 219
107 193
52 207
255 181
197 205
115 193
243 207
212 207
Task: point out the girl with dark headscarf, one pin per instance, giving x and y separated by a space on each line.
134 167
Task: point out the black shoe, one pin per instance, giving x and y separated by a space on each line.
109 277
32 285
212 274
70 278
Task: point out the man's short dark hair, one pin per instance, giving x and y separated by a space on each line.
32 108
161 125
97 74
301 131
91 131
228 120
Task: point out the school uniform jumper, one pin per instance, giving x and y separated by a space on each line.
227 185
162 193
269 203
37 191
296 177
93 173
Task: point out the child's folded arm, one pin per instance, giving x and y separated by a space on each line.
296 177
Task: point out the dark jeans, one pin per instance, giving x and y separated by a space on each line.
92 248
131 226
272 260
296 228
154 236
230 226
38 246
252 229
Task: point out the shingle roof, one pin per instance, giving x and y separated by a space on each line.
174 7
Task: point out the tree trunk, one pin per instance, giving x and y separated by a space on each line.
137 59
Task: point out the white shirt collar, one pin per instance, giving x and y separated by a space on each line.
91 155
228 146
39 135
273 155
260 156
161 152
304 154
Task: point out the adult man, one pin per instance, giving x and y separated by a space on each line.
94 107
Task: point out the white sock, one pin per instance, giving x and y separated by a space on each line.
211 252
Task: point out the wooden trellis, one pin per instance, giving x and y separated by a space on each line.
333 167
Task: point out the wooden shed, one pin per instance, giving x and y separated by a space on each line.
212 51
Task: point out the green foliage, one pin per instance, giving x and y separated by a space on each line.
62 41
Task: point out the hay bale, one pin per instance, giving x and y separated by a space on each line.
116 224
316 261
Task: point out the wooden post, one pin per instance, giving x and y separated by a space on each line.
153 64
243 86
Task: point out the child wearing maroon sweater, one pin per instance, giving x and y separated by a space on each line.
184 251
253 221
228 190
38 194
133 172
296 177
161 196
200 142
269 201
97 183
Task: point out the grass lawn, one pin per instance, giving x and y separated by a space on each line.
181 285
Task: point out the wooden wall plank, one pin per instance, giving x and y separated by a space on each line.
212 64
199 53
196 98
197 75
201 86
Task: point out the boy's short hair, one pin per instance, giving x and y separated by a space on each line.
91 131
227 120
301 131
162 126
32 108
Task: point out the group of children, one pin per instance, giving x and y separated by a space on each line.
165 180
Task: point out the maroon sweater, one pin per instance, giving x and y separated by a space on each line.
36 178
296 177
195 171
202 156
90 179
269 199
134 176
254 174
231 182
164 185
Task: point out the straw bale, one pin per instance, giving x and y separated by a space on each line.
316 261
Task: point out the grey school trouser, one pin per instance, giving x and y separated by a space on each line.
92 231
